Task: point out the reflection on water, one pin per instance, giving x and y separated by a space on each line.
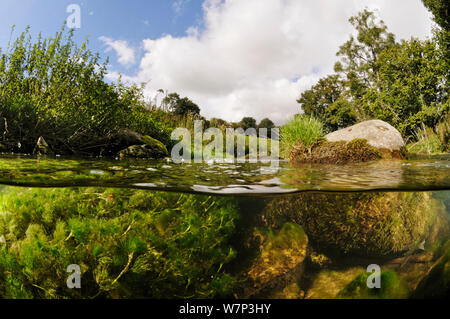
229 178
131 239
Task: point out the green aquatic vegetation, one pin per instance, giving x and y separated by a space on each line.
279 261
391 288
437 282
302 130
128 243
364 224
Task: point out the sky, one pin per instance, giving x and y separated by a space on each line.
234 58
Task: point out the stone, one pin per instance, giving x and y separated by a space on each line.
151 149
119 141
378 134
367 225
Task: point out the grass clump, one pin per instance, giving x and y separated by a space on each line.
432 141
302 130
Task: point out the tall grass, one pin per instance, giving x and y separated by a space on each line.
430 142
301 129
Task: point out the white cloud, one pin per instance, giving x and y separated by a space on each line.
125 54
255 57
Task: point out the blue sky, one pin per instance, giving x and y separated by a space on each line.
234 58
130 20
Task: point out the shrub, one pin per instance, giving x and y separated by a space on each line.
302 130
56 89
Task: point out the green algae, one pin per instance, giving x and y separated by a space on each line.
127 243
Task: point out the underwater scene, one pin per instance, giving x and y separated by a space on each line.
155 229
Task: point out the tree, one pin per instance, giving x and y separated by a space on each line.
181 106
324 101
267 124
412 90
404 84
358 67
441 11
248 122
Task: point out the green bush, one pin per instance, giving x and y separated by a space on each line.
301 129
56 89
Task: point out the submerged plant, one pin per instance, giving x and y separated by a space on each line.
302 130
128 243
391 288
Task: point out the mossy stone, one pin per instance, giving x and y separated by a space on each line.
341 152
143 151
150 149
364 224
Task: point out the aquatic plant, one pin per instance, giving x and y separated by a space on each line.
128 243
391 288
363 224
302 130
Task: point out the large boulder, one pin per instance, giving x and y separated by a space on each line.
378 134
375 225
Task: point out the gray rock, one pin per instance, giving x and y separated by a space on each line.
378 134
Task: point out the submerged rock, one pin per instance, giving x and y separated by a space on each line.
42 147
437 282
279 263
378 134
362 224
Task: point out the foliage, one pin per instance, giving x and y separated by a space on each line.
325 102
403 83
441 12
55 89
128 243
248 122
412 90
181 106
302 130
431 141
391 287
266 123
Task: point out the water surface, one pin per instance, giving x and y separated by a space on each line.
155 229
